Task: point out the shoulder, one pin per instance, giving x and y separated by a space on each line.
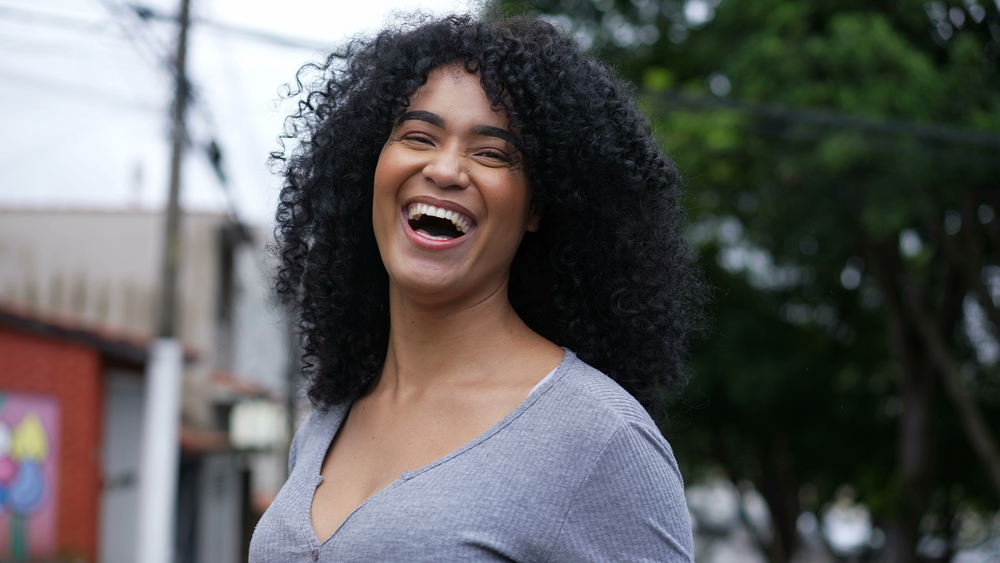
592 419
314 434
600 391
605 409
589 401
629 499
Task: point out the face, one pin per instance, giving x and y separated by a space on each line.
450 208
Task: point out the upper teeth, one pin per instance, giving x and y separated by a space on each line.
418 210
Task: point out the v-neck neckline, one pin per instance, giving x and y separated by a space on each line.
339 414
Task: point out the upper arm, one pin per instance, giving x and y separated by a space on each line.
631 506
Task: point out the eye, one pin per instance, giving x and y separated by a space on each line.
416 139
493 154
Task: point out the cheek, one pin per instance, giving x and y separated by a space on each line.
515 198
387 180
382 173
383 200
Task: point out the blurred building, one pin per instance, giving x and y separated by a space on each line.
78 307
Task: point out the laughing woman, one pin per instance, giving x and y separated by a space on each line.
483 243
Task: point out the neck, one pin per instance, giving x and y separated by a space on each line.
431 344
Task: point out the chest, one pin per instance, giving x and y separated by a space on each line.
375 445
501 501
367 455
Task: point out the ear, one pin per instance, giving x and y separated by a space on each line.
534 217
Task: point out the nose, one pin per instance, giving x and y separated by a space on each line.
446 168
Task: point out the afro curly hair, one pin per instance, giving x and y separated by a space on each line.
608 274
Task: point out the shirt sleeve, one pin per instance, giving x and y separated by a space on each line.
630 507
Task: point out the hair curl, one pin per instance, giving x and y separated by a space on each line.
608 274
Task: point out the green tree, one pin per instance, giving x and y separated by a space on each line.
843 163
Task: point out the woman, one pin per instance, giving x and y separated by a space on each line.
475 212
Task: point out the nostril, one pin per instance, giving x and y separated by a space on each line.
447 175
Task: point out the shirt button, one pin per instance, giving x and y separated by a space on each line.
315 555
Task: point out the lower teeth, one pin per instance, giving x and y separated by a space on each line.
433 237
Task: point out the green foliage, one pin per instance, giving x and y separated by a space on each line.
657 79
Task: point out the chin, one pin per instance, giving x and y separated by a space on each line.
425 283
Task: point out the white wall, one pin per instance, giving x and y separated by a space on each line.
123 399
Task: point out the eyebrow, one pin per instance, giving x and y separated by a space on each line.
499 133
485 130
420 115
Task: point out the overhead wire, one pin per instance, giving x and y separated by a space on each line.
76 23
16 79
36 17
132 25
56 87
136 18
126 20
934 132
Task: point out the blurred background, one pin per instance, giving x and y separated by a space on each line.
842 162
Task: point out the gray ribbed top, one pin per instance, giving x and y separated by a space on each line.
577 472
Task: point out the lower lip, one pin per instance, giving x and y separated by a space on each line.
429 243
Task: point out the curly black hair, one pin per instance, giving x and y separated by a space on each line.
608 274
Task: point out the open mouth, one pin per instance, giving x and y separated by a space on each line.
436 223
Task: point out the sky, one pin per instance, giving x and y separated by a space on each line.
85 94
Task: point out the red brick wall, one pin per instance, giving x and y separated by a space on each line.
71 373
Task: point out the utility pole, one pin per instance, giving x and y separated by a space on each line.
172 243
158 470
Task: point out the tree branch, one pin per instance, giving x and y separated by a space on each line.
978 433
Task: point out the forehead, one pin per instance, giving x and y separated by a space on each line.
454 93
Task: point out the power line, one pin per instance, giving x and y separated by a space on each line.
131 19
15 79
34 17
934 132
268 37
138 37
146 12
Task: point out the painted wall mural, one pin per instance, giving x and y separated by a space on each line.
29 476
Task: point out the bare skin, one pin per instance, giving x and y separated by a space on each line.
459 358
